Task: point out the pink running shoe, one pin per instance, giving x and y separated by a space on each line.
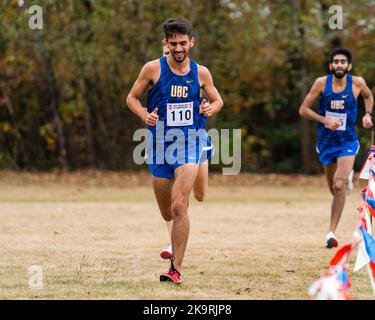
331 240
171 275
166 253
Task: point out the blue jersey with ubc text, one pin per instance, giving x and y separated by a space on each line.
341 106
177 98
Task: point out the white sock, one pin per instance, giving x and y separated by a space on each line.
330 235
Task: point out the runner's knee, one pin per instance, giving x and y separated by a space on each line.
199 195
338 185
167 215
167 218
179 207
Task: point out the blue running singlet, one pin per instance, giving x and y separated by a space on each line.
343 107
177 99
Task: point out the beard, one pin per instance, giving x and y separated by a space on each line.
339 74
180 59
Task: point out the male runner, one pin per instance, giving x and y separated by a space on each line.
173 102
337 143
201 181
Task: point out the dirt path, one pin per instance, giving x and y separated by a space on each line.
101 240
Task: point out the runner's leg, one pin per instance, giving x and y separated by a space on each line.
201 182
184 180
163 194
329 171
344 167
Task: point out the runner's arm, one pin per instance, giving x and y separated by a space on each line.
306 111
368 100
132 100
215 102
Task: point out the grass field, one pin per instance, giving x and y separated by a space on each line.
98 236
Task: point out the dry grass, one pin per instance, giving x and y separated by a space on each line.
98 236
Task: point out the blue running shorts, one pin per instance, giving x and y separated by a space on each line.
166 157
328 154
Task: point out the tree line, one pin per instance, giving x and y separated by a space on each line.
63 88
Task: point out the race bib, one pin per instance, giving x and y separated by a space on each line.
338 116
179 114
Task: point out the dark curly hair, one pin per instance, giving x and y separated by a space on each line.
173 26
342 51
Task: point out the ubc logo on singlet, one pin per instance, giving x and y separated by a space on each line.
338 104
179 91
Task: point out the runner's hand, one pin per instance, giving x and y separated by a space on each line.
332 124
367 121
206 108
152 118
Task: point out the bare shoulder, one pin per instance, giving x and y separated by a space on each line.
321 81
151 71
152 66
204 76
359 81
203 71
319 84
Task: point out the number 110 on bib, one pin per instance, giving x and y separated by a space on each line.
179 114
